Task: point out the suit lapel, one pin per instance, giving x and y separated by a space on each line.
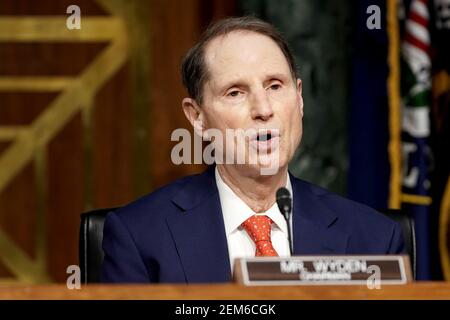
313 224
199 231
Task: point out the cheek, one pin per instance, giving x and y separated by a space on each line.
215 119
295 127
222 116
293 115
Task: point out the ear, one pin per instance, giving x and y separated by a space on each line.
299 93
194 114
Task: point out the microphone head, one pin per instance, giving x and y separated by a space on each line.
284 201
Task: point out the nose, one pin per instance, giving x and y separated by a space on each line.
261 108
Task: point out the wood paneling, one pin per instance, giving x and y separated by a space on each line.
48 7
32 59
175 27
75 178
112 143
18 206
65 198
174 30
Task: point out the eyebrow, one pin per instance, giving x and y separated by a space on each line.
241 83
231 84
280 76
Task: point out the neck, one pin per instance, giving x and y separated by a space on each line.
258 192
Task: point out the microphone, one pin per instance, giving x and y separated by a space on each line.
284 202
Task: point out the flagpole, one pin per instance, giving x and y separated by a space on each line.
394 147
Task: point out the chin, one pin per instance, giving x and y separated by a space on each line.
269 166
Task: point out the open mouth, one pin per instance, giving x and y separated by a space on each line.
266 140
264 137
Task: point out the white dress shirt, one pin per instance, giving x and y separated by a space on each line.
235 212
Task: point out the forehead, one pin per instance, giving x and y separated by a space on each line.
244 53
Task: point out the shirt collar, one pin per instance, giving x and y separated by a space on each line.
235 211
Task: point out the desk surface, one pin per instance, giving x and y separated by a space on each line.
423 290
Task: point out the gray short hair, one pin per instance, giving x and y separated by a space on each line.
193 68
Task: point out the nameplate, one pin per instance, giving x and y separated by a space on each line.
323 270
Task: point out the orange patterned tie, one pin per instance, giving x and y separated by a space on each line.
259 227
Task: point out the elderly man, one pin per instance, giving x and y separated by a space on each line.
240 76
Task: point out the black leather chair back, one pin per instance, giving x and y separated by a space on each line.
91 236
409 233
90 247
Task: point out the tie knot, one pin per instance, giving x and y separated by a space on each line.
259 228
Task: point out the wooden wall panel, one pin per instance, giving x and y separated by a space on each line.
18 217
175 27
65 183
5 274
21 108
173 31
92 166
18 202
112 141
48 7
65 198
49 59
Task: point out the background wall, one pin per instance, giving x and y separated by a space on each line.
85 117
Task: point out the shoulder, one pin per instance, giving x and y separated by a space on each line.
345 208
157 205
361 222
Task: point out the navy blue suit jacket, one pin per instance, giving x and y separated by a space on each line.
177 233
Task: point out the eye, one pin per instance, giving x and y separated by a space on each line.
234 93
275 86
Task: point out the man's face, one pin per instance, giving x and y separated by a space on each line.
250 87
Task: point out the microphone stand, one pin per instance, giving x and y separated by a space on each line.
287 215
284 202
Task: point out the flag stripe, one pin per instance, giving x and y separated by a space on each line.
415 56
420 7
416 121
414 16
418 31
417 43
